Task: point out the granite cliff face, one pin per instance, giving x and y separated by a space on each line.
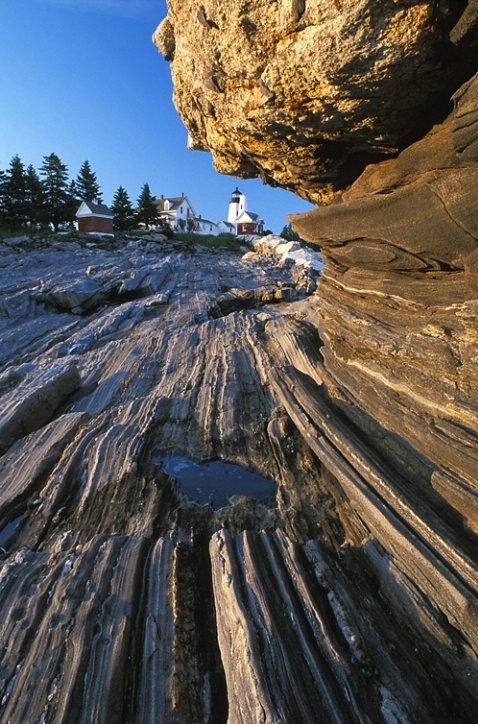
352 596
305 94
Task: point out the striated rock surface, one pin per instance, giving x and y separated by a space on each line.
399 299
124 599
304 94
384 393
352 595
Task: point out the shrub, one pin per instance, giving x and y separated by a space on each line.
222 241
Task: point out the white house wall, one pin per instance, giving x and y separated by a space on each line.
224 228
237 212
208 227
182 212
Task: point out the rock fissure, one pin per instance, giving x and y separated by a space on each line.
456 221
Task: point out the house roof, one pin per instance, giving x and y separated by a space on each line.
176 199
88 208
174 202
252 217
205 221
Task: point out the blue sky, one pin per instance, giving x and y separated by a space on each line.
82 79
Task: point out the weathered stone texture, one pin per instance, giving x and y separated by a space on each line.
353 596
385 391
122 599
303 93
400 294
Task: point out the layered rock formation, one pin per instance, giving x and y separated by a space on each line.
353 596
112 359
399 298
124 600
307 95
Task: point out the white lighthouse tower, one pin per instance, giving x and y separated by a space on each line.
237 205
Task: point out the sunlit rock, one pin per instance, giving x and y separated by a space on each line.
305 94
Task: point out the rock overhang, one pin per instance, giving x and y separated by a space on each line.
305 95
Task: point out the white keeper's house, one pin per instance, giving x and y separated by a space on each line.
180 215
175 209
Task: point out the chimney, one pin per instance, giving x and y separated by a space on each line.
162 197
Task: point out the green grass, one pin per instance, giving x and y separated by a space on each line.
190 240
23 231
222 241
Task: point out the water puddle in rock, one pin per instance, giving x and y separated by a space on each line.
9 530
216 482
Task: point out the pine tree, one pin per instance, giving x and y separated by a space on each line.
123 213
87 187
147 212
73 192
72 202
2 199
35 199
59 205
289 234
164 227
15 195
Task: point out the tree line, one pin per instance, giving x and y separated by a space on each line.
44 199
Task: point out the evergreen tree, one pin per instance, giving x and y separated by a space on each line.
123 213
15 195
87 187
59 205
74 193
288 234
35 199
72 203
147 212
165 227
2 198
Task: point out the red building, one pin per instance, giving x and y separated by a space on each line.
249 223
94 218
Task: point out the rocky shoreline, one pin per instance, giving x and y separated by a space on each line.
122 599
353 595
